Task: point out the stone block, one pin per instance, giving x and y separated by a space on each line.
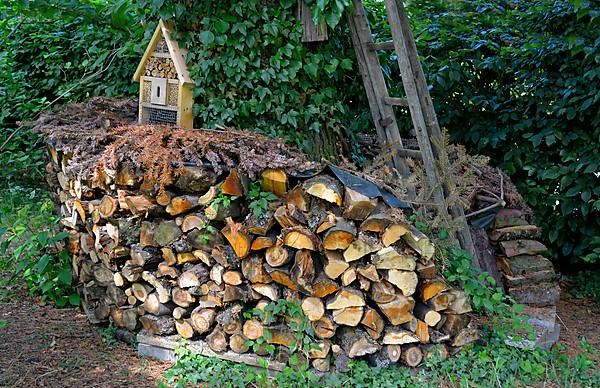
543 294
522 247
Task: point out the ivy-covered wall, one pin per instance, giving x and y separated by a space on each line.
252 71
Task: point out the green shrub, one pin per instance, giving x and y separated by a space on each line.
252 71
519 81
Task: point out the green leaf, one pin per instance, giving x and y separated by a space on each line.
74 299
207 37
65 277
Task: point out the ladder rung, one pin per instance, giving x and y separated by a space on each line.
395 101
415 154
381 45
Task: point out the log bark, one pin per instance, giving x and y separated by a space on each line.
303 271
162 325
356 343
254 271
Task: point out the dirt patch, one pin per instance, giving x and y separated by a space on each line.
48 347
578 318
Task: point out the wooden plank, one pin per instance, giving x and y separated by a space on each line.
381 45
398 101
311 32
370 68
157 346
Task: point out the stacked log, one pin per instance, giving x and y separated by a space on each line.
160 67
192 257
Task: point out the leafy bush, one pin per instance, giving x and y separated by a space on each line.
252 71
519 81
496 365
51 52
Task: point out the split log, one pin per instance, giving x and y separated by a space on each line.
181 313
431 288
297 198
281 335
324 327
194 221
162 325
274 181
232 185
313 308
202 319
399 310
426 271
369 272
373 323
194 179
334 264
216 274
281 275
420 243
422 331
325 188
357 206
465 337
164 197
301 238
440 302
254 271
360 247
390 258
238 237
233 278
348 316
220 212
320 217
169 256
356 343
262 242
346 297
394 336
140 205
235 293
376 222
193 276
230 319
289 216
382 292
322 351
340 236
323 286
165 270
140 291
348 276
522 247
460 303
260 224
162 288
303 271
411 355
393 233
406 281
454 323
167 232
266 290
322 364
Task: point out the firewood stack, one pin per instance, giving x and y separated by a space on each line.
192 257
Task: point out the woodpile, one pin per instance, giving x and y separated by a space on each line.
160 67
190 258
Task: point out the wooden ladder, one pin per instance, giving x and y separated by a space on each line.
418 101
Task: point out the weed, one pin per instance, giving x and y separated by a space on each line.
258 200
587 285
3 323
109 336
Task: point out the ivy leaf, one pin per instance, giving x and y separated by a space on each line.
207 37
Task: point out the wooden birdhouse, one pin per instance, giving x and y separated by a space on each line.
166 89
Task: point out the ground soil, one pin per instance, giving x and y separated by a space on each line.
49 347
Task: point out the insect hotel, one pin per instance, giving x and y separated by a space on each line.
166 89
